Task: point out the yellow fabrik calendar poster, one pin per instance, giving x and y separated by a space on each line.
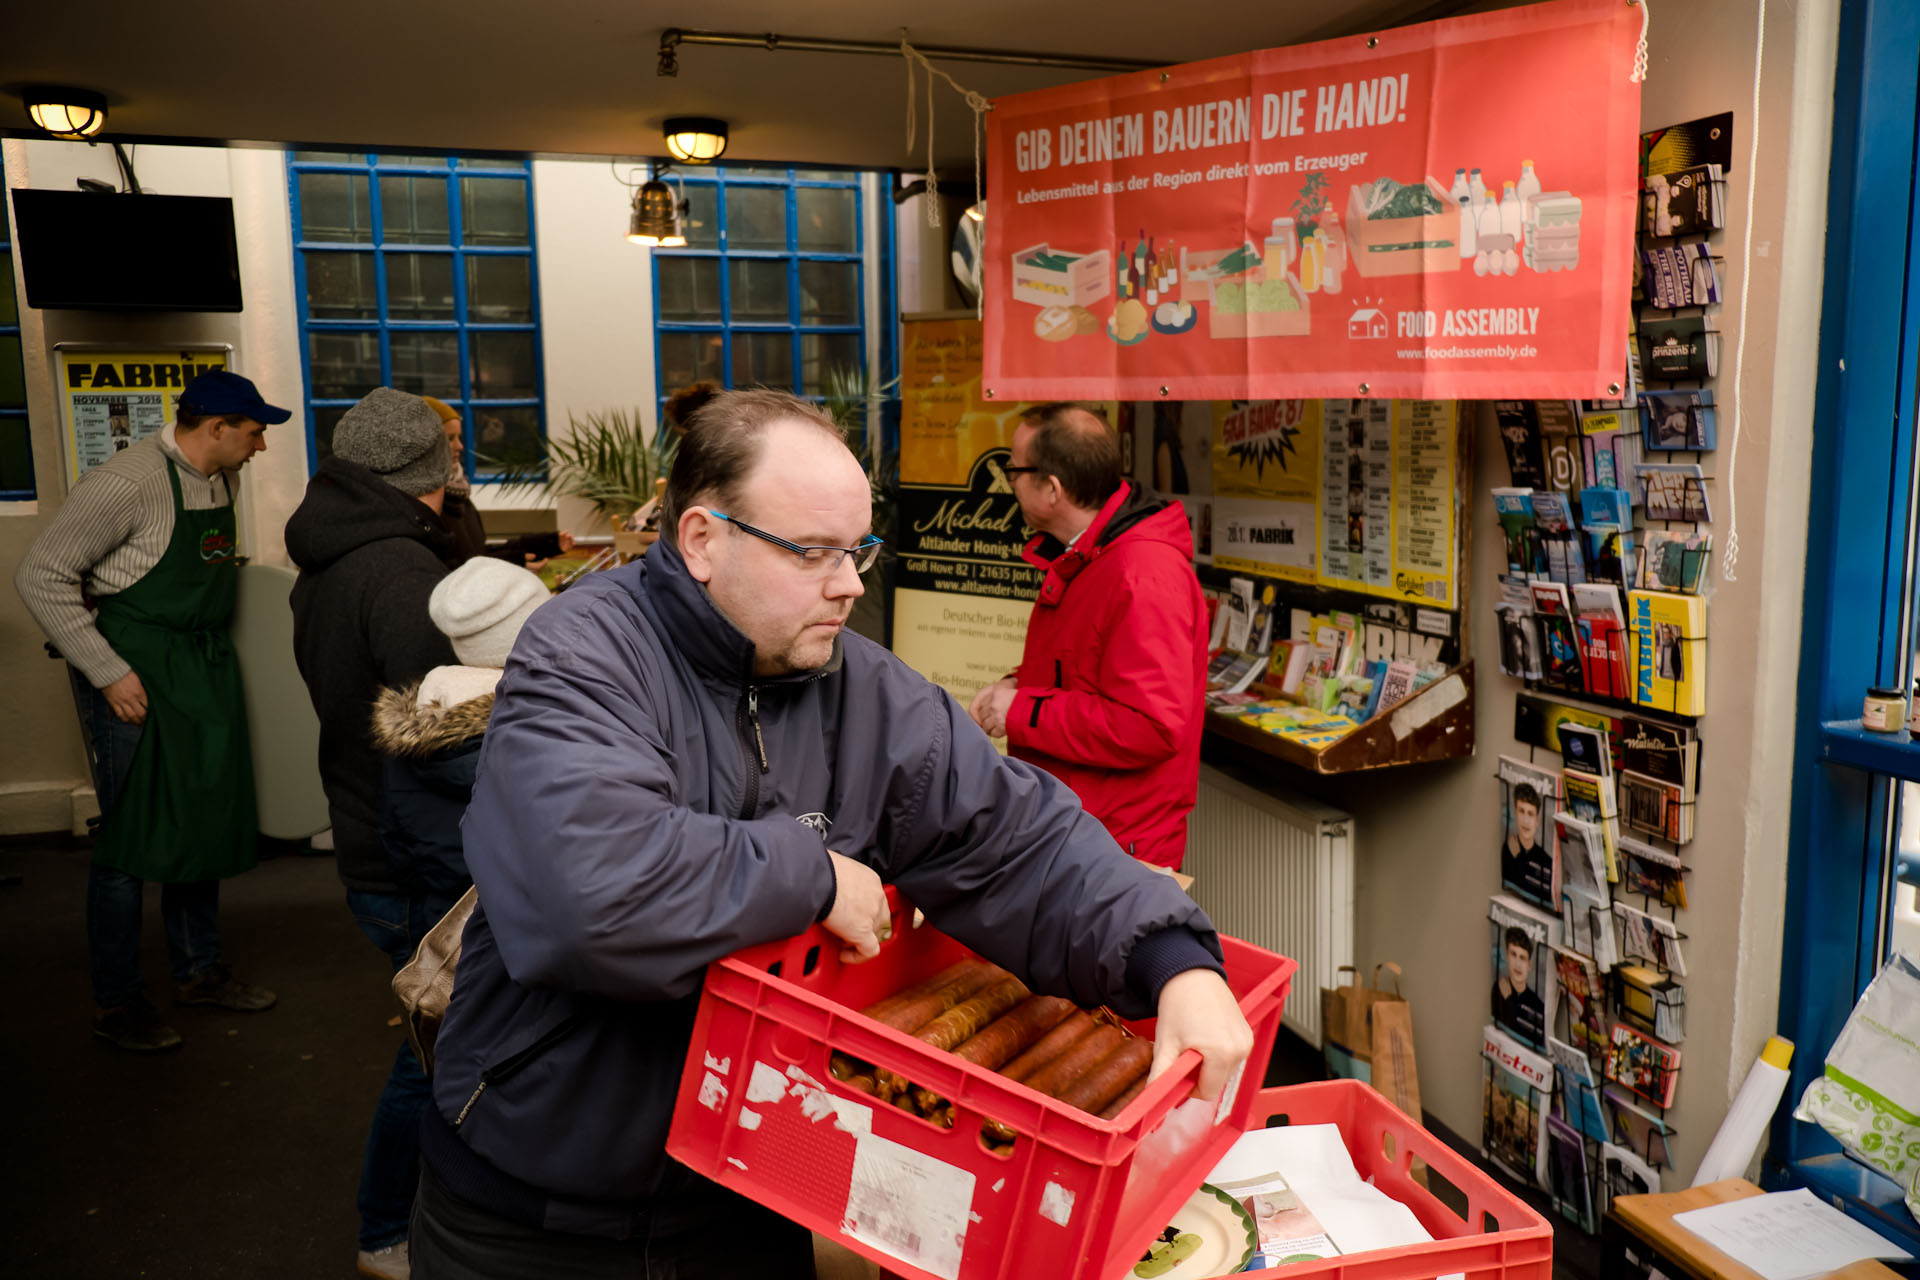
111 397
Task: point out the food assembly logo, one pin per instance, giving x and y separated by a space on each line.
1258 432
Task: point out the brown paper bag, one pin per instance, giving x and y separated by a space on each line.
1367 1034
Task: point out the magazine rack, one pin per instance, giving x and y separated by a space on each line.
1435 723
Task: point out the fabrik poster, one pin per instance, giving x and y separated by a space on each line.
1442 211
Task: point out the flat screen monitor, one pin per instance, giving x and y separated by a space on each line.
86 250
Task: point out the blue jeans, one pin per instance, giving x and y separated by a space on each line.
390 1168
190 912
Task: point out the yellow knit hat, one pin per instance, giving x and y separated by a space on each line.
446 411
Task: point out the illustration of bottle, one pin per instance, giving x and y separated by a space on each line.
1486 235
1458 191
1120 261
1310 263
1140 259
1173 267
1527 188
1510 226
1477 189
1283 227
1334 248
1469 230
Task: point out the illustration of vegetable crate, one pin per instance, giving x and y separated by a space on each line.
1053 277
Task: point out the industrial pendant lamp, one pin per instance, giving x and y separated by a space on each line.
696 139
65 112
656 217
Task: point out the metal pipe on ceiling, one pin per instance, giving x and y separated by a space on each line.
673 37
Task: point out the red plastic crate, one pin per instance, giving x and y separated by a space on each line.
1075 1197
1496 1238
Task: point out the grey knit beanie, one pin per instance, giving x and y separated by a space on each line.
396 436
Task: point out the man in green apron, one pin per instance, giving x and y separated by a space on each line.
133 582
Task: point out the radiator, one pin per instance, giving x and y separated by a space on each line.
1277 873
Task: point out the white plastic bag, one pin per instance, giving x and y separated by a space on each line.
1869 1097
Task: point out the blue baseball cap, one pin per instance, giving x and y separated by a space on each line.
220 393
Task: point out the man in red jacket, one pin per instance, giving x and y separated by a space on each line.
1109 696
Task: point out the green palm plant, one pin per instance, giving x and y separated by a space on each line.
855 405
606 458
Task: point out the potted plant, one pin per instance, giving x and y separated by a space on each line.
858 407
606 459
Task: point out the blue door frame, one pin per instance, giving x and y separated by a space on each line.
1857 584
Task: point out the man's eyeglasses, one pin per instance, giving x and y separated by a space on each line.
1017 471
824 561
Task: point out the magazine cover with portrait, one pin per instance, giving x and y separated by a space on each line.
1524 978
1529 799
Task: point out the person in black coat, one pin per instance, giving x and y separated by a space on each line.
462 518
431 729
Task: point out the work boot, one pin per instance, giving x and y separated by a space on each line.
135 1027
390 1263
217 988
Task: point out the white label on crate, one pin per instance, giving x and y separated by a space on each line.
1056 1204
1228 1094
767 1084
852 1117
723 1065
713 1094
749 1119
797 1074
737 1163
909 1205
998 1185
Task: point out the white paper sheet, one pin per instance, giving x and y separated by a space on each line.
1789 1235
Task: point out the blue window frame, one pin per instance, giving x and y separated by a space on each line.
418 272
16 437
1850 874
771 288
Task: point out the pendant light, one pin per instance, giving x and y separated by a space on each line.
695 139
65 112
656 217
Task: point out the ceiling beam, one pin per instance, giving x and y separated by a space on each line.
673 37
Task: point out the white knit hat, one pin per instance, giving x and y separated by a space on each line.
481 607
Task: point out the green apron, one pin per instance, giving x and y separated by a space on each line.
186 812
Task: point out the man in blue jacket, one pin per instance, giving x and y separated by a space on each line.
688 756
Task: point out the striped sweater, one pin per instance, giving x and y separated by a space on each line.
113 527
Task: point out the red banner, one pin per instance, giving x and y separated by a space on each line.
1443 211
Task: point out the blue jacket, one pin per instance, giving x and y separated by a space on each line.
432 755
627 829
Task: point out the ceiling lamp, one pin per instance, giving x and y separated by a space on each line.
656 217
65 112
696 139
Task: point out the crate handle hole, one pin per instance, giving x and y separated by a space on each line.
812 961
998 1152
1386 1146
1278 1122
1447 1194
774 968
790 1044
1489 1225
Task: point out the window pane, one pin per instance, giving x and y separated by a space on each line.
829 293
475 162
756 171
689 288
702 219
333 206
16 455
758 289
825 216
427 364
506 438
340 286
763 360
9 305
756 218
688 357
493 210
330 157
826 175
823 353
413 210
499 288
325 419
420 286
13 385
502 366
343 366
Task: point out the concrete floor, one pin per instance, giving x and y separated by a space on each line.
237 1155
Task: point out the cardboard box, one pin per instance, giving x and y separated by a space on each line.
1363 233
1053 277
1258 324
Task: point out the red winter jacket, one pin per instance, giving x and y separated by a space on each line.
1111 686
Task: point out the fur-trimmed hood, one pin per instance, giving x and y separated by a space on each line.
402 727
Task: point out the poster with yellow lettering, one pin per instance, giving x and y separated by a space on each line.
111 397
1266 485
962 591
1387 499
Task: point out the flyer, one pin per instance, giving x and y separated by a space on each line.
113 397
